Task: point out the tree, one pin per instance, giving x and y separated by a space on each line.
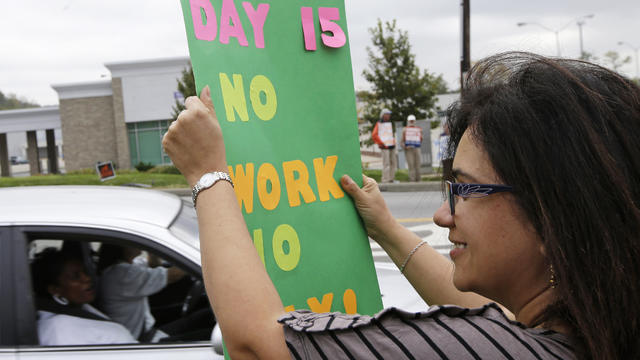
187 87
11 101
590 57
441 85
613 59
396 81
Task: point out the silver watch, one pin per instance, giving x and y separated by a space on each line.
206 181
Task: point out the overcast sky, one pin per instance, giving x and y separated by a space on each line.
46 42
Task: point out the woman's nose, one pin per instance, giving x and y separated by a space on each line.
442 217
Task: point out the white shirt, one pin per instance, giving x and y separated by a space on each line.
124 289
62 329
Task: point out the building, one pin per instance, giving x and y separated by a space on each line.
121 119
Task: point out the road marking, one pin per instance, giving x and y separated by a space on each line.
412 220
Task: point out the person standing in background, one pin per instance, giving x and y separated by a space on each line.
384 137
411 142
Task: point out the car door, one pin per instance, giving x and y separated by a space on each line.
13 324
28 345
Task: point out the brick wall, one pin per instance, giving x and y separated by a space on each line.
120 127
88 132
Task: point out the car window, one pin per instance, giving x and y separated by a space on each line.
114 291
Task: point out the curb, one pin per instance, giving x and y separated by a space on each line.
389 187
411 186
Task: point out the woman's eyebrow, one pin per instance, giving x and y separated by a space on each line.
458 173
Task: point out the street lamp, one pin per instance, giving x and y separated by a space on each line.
548 29
635 48
580 22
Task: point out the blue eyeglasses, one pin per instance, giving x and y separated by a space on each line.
471 191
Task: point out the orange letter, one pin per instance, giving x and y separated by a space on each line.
323 307
324 177
268 199
349 301
299 185
243 184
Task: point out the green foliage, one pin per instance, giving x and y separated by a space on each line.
144 166
187 87
396 81
164 169
122 178
614 61
401 175
440 85
11 101
590 57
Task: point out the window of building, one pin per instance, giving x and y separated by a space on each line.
145 142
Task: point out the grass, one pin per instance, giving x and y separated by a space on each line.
85 177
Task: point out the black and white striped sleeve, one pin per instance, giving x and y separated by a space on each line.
442 332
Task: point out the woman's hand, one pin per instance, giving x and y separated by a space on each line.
371 206
194 141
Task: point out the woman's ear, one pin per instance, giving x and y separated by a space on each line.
53 289
542 249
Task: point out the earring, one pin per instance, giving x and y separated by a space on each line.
552 279
60 300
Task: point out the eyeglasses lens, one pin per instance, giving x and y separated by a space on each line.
452 200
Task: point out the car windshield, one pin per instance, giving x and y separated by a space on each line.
185 225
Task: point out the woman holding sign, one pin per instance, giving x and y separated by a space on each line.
383 136
411 141
543 213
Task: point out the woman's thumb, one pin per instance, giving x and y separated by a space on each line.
350 186
205 97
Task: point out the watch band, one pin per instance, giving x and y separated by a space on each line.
206 181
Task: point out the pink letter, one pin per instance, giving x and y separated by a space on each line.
308 29
203 31
230 24
338 39
257 19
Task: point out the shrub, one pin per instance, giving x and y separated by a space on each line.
165 169
144 167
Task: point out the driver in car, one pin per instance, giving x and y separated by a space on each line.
126 281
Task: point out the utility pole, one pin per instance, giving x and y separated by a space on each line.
580 22
465 58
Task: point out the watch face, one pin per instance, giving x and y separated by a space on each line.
207 180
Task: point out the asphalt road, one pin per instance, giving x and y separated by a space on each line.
415 211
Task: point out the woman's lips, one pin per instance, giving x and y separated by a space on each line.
458 248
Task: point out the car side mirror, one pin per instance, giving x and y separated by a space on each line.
216 340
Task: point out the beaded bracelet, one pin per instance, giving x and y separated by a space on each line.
406 260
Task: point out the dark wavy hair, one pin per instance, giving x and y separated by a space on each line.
566 135
47 268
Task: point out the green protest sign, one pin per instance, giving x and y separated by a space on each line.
281 83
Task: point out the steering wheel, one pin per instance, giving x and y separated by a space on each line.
193 296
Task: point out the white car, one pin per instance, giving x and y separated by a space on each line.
33 218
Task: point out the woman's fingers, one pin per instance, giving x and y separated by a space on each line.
194 141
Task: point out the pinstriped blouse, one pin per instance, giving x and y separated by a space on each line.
441 332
